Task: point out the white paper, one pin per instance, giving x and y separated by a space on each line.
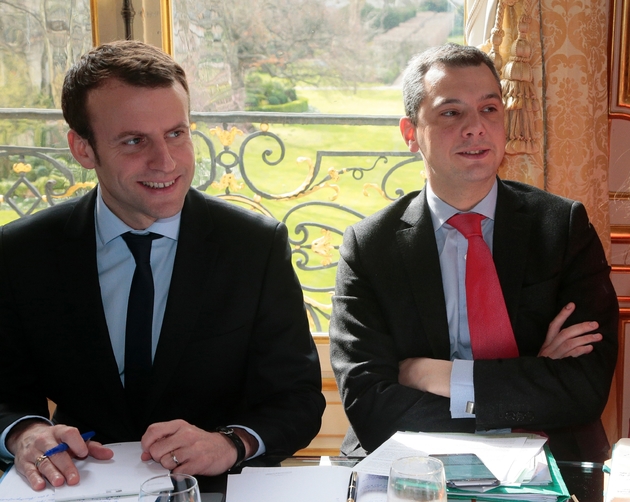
119 477
619 480
506 457
15 488
289 484
323 483
372 488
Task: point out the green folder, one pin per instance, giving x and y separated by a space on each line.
555 491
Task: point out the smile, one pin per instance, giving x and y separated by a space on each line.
474 152
152 184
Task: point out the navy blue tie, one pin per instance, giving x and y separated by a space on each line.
138 334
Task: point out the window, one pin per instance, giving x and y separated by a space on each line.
295 104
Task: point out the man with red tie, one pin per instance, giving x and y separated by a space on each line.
476 303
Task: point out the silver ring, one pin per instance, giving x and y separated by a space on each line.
39 460
174 459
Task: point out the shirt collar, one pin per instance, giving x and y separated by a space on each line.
441 211
109 226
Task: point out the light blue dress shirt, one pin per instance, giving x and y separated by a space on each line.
452 249
116 266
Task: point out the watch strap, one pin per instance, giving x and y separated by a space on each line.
229 433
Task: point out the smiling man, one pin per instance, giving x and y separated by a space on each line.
174 318
476 303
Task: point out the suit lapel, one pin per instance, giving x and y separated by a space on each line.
420 257
187 292
77 257
510 243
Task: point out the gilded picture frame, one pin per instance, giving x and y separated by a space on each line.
151 22
620 60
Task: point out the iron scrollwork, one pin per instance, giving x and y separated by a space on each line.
318 200
314 241
51 157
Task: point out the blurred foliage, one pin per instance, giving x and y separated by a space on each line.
387 17
264 90
435 6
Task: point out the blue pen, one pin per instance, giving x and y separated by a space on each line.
63 446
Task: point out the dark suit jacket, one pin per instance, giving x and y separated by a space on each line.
389 305
235 346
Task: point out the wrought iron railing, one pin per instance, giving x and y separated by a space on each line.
268 162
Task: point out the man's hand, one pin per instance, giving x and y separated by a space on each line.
196 451
31 438
425 374
571 341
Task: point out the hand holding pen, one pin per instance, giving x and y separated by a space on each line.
61 447
40 455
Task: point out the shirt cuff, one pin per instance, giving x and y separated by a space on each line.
5 454
261 446
462 388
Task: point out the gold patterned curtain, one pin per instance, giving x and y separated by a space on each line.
553 59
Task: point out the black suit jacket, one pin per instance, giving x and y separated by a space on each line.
235 346
389 305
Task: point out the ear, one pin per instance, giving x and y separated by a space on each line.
408 131
81 150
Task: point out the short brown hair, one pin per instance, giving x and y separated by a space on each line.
132 62
450 55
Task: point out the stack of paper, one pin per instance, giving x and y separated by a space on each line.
522 463
618 489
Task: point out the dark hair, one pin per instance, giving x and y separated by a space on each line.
132 62
449 55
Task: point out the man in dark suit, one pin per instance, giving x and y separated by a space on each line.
400 334
232 368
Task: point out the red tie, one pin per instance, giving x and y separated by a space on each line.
491 335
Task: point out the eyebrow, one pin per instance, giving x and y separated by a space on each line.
126 134
450 101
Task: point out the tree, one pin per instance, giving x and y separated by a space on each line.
39 41
298 40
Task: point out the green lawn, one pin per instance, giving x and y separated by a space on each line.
365 101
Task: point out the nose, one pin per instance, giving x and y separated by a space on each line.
474 125
161 158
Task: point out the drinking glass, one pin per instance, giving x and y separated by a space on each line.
418 479
170 488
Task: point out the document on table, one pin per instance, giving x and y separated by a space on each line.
305 483
519 461
507 456
119 477
14 488
618 489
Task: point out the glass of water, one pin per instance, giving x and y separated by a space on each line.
416 478
170 488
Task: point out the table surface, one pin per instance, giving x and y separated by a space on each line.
585 480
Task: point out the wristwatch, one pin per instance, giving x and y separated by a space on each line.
229 433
